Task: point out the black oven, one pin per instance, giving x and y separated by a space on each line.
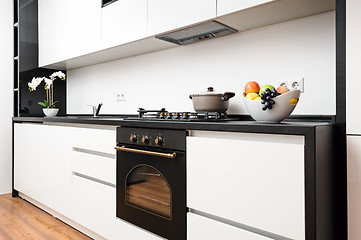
151 180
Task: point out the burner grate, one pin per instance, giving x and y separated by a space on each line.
163 115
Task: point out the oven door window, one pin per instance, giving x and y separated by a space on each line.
148 190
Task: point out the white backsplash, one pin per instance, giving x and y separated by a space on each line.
300 48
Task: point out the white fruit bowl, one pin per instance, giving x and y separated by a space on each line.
283 107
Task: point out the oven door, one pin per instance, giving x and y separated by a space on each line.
151 189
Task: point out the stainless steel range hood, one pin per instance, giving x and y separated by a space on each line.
196 33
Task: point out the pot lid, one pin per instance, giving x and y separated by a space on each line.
210 92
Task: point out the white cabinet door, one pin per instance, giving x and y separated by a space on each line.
94 206
124 21
253 179
83 33
33 159
61 171
353 53
52 29
228 6
68 28
199 227
42 164
354 186
165 15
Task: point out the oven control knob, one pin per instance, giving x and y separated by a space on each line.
145 139
158 141
133 138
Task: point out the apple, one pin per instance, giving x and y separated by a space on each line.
251 87
252 96
263 88
282 89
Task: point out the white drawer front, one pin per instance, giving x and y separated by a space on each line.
94 206
199 227
102 140
94 165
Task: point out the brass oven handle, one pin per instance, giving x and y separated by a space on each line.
158 154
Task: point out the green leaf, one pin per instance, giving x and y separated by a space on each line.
45 104
53 105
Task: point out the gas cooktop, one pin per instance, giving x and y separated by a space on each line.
164 115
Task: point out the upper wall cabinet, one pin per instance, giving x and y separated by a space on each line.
228 6
94 35
123 21
68 29
83 27
165 15
52 31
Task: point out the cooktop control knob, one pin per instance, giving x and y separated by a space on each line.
177 115
145 139
133 138
158 141
169 115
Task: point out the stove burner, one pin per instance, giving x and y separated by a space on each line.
163 114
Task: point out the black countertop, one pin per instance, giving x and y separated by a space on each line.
289 127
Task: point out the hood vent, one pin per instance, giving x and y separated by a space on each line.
197 33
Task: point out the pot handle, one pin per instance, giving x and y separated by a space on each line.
228 95
190 96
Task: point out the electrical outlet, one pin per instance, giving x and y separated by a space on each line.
283 83
297 84
293 84
122 96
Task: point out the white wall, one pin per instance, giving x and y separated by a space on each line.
6 92
299 48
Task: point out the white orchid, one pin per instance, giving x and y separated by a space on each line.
48 83
49 87
35 83
58 74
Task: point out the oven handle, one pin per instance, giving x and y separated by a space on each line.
158 154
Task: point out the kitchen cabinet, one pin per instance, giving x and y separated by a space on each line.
71 171
166 15
253 179
68 29
353 52
42 164
83 33
228 6
93 185
93 206
33 167
199 227
125 38
52 31
354 186
123 21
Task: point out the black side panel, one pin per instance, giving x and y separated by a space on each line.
28 35
325 191
340 149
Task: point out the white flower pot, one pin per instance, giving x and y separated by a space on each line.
50 112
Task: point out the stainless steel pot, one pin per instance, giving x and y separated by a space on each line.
211 101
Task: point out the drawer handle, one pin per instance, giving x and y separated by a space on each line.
158 154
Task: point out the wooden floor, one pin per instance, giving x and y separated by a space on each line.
20 219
